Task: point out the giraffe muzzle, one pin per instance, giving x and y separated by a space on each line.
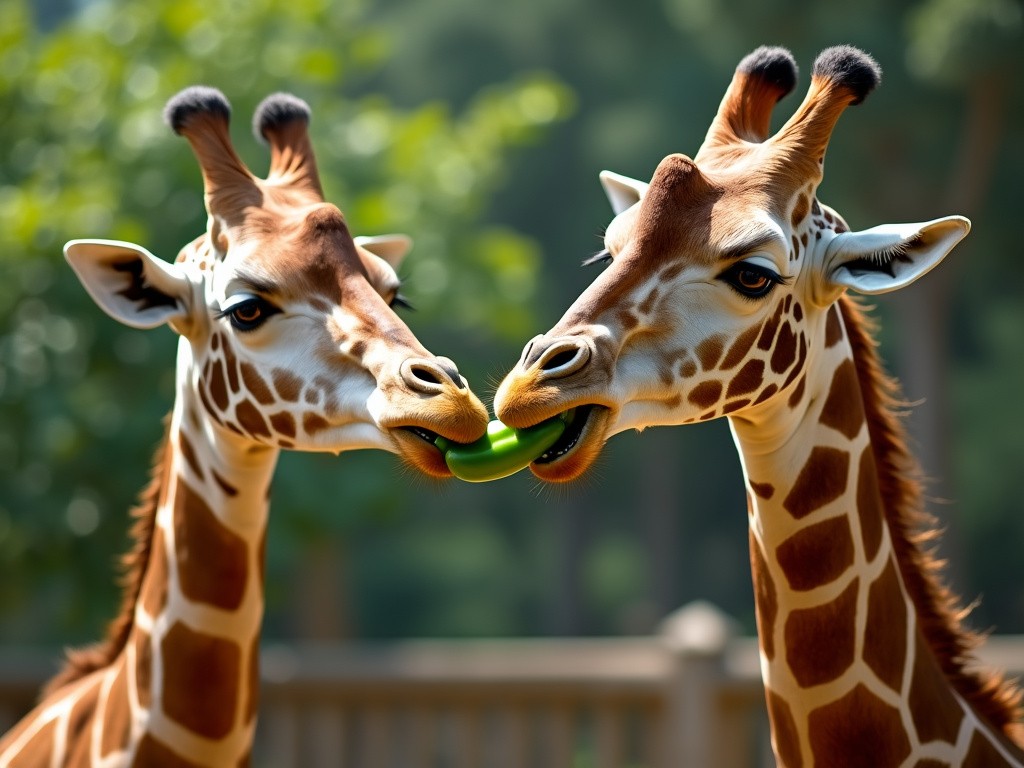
556 358
431 376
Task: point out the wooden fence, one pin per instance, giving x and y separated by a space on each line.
689 696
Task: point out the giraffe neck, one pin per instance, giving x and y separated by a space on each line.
177 681
845 656
197 620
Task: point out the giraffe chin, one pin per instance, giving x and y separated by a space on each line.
415 445
578 447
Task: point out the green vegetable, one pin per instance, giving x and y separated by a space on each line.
502 451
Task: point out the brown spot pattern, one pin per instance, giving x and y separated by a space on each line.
231 365
749 378
288 385
767 392
152 752
201 679
252 695
358 349
800 359
188 452
228 488
785 738
816 555
705 394
785 349
764 490
647 304
885 641
117 716
153 596
820 641
313 423
844 410
936 714
862 728
212 560
83 712
735 405
628 320
256 386
687 368
767 336
283 423
143 668
766 601
800 210
869 504
38 750
981 753
215 383
833 327
821 480
709 351
251 419
798 393
740 347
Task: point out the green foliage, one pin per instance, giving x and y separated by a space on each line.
418 111
87 155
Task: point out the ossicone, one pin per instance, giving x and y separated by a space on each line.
195 100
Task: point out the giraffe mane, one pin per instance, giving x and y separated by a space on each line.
80 662
941 613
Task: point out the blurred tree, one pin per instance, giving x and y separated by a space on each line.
86 155
661 521
942 135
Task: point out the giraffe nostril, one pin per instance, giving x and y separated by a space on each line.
562 357
425 374
431 376
559 359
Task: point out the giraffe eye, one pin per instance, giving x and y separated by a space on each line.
398 301
250 314
751 280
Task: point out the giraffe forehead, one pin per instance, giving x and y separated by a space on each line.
702 225
296 253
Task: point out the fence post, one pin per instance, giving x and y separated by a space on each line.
697 635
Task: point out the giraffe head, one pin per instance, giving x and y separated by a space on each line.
723 273
288 334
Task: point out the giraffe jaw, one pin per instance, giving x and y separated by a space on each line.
416 446
578 447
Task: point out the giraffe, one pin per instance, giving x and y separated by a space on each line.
727 295
288 340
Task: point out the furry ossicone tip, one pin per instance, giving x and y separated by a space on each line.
774 64
276 110
850 67
195 100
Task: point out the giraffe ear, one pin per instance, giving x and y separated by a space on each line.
891 256
391 248
129 283
622 191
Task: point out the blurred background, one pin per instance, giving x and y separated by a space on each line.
479 127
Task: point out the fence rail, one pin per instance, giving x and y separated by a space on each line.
689 696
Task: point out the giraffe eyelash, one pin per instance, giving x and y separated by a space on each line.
895 252
398 301
602 256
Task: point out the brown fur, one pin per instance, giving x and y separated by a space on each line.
940 613
84 661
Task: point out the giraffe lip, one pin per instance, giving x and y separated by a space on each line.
577 420
424 434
